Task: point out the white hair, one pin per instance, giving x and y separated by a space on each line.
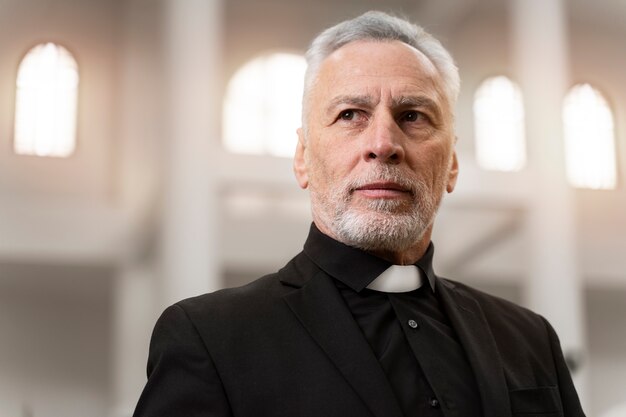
379 26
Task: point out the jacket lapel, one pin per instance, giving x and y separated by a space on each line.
321 310
468 320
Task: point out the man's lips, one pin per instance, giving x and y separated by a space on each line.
383 190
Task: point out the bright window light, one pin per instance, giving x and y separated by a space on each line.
263 107
45 108
589 139
499 125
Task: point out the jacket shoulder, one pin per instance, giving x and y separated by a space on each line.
233 298
484 298
500 312
257 297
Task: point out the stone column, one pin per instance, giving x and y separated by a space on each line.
553 287
188 253
169 111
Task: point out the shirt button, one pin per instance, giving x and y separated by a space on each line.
434 403
413 324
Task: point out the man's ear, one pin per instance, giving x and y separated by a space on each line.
299 161
453 174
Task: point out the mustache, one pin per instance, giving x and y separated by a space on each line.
385 173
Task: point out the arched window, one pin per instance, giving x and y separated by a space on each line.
263 106
46 102
499 125
589 139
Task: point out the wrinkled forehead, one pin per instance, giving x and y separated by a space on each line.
379 67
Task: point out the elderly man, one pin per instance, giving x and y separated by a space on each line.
358 324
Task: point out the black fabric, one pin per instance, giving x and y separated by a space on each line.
287 345
534 401
375 315
425 365
436 347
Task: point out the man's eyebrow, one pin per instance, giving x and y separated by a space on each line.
419 102
362 101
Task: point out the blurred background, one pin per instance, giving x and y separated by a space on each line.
144 157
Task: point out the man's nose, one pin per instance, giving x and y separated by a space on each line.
383 141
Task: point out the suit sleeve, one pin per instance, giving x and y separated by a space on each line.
182 379
569 397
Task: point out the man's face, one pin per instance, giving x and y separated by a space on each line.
379 147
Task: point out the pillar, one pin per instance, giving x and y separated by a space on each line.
553 287
189 260
169 113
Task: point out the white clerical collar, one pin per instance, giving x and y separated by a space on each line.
399 278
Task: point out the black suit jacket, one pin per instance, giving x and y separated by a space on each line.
287 345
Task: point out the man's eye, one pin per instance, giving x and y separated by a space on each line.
414 116
347 115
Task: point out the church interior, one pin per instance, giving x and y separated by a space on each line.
172 175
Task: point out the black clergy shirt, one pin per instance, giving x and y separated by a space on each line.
409 332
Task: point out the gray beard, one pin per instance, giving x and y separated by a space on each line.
380 229
387 225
